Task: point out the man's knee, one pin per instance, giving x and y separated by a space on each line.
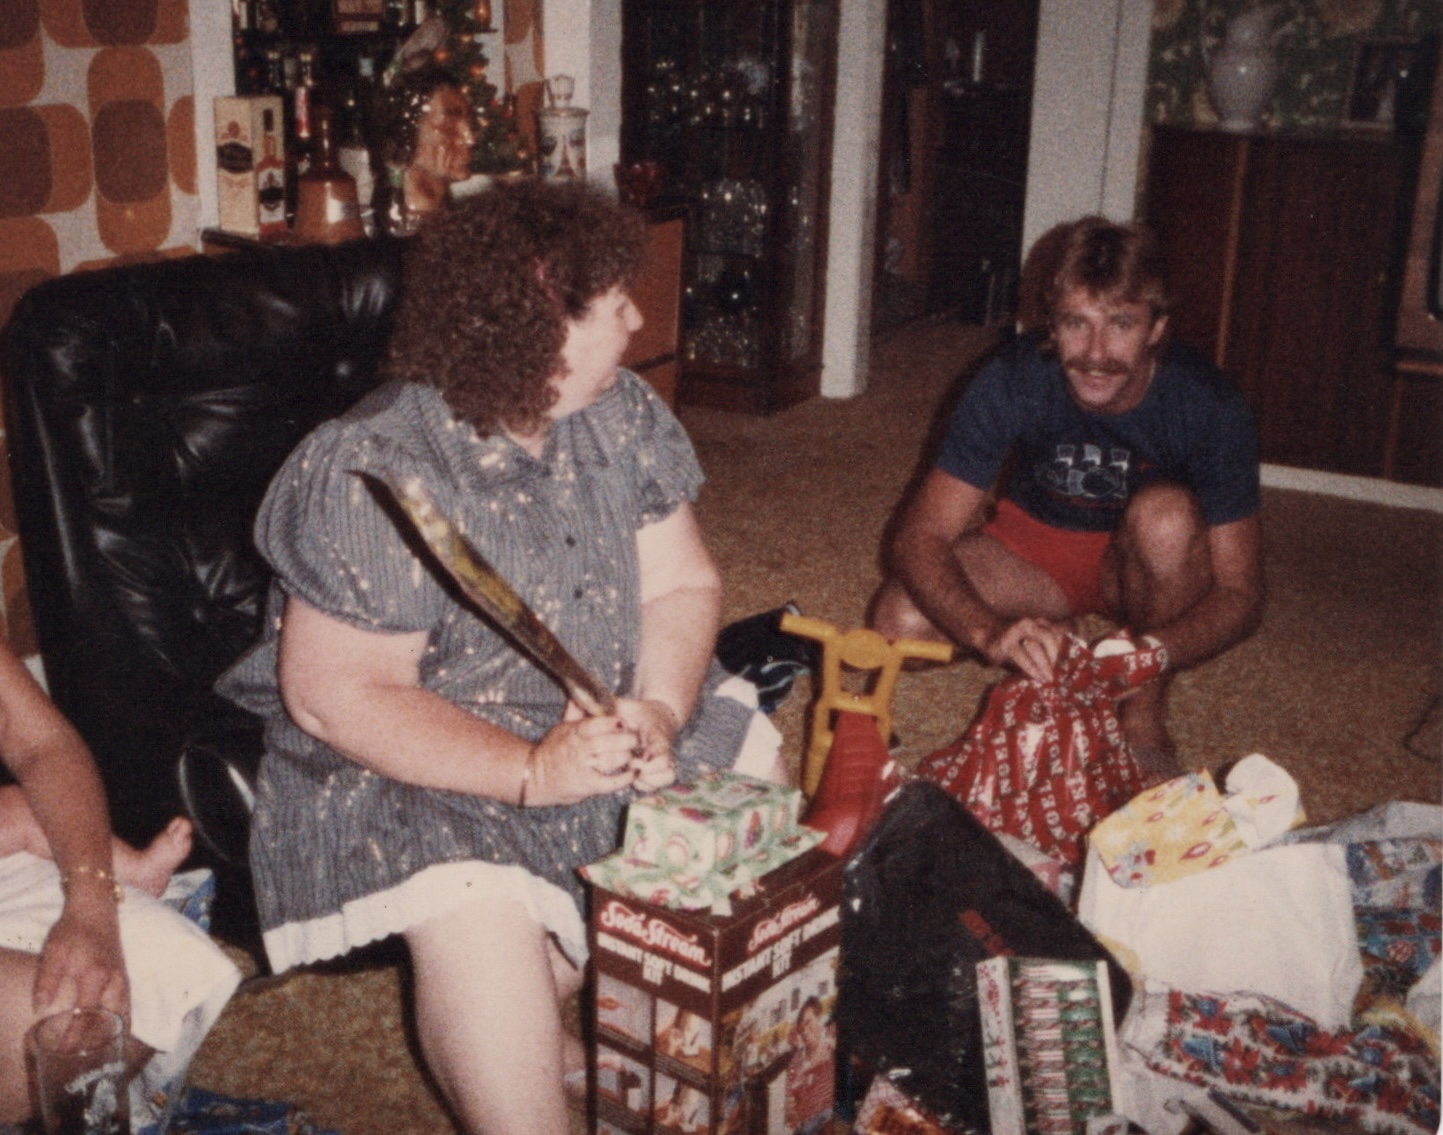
893 615
1164 526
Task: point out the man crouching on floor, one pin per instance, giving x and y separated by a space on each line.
1132 493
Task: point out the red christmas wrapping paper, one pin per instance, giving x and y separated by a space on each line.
1044 762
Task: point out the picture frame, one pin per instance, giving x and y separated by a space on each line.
1380 70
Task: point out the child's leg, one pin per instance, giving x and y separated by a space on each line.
149 869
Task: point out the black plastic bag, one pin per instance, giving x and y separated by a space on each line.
929 895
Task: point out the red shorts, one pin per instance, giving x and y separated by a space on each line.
1073 559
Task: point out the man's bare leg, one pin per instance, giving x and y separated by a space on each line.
1157 567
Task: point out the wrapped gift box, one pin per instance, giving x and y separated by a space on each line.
690 847
1049 1046
708 1023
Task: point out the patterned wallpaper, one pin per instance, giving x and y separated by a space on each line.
1317 42
97 165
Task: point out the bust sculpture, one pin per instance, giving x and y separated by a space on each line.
426 139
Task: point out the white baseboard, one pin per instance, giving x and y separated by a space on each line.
1372 490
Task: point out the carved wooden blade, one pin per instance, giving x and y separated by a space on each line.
483 585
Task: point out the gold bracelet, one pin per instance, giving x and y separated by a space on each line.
526 777
99 873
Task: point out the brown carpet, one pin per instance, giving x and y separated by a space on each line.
1335 687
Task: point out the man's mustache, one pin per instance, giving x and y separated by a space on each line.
1104 366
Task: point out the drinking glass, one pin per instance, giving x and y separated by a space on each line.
79 1060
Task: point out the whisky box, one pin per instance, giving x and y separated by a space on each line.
1049 1046
708 1023
250 165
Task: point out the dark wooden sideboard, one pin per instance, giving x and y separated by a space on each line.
1282 251
653 351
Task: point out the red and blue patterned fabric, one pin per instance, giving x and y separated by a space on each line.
1255 1049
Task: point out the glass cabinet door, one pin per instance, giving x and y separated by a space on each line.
734 101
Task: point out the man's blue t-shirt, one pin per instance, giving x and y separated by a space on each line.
1077 470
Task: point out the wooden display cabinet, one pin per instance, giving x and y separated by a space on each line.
735 101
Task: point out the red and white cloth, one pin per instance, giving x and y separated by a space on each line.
1045 761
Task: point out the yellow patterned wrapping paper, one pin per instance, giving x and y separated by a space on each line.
1169 832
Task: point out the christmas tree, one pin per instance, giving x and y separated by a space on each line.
500 147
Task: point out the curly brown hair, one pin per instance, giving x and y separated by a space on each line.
489 286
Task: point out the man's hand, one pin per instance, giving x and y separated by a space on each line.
81 964
1031 645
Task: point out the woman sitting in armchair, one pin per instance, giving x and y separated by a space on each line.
422 777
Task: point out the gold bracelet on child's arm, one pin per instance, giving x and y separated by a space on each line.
99 873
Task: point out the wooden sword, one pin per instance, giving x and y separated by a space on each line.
497 599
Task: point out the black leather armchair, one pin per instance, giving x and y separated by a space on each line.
147 408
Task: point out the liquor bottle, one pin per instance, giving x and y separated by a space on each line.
303 111
354 156
273 81
271 180
396 15
299 95
327 207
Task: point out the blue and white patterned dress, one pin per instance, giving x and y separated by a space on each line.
342 855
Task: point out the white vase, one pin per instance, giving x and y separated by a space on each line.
561 134
1244 70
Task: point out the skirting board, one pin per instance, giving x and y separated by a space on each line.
1373 490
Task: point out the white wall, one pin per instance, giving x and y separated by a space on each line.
1088 105
582 38
603 127
1088 100
212 65
856 139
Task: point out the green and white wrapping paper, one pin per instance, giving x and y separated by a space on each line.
690 846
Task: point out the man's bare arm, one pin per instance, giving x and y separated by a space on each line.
924 557
1231 609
